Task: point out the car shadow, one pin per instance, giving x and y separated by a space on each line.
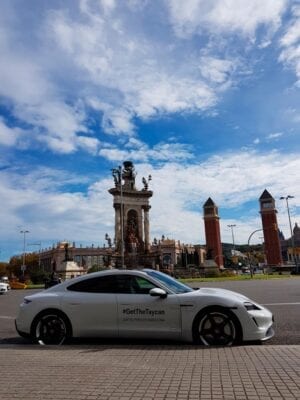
88 345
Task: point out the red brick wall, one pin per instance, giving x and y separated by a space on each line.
213 239
271 237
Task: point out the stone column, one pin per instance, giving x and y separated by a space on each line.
146 228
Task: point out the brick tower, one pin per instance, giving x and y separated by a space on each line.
212 232
270 229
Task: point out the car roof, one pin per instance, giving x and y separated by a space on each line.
97 274
116 271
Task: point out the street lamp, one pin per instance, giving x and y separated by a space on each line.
286 198
122 216
233 246
249 256
263 247
117 174
23 267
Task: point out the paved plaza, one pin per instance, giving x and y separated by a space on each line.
128 372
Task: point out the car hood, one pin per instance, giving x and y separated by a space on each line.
41 295
224 293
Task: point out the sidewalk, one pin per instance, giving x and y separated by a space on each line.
148 372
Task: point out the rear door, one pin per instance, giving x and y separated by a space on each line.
91 305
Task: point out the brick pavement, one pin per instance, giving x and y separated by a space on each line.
148 372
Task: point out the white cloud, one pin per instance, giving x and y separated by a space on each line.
97 54
41 202
292 33
36 200
90 144
136 76
89 7
231 180
215 70
8 136
218 16
136 150
290 43
275 135
35 100
161 93
108 5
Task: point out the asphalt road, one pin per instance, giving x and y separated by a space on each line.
281 296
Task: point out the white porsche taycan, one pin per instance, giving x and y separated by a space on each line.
141 304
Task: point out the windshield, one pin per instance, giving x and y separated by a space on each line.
168 281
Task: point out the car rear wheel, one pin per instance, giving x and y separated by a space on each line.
216 327
51 328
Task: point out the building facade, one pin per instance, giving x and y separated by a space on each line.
52 259
291 247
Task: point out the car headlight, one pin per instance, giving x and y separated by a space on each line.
250 306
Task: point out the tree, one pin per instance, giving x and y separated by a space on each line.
3 268
15 263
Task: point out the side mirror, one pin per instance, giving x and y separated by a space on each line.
157 292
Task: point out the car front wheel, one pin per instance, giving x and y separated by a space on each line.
216 327
50 328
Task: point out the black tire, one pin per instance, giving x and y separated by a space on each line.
217 327
51 327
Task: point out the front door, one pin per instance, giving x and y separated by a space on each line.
141 315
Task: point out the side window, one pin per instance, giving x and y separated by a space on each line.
104 284
133 284
124 283
142 285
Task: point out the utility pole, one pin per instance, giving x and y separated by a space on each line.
286 198
23 267
232 234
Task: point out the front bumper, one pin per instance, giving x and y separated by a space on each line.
21 333
269 334
257 325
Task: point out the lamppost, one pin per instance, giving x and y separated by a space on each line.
117 174
23 267
263 248
286 198
232 234
249 256
122 216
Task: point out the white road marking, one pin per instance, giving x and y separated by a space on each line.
282 304
6 317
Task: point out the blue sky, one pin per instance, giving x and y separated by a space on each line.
201 94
